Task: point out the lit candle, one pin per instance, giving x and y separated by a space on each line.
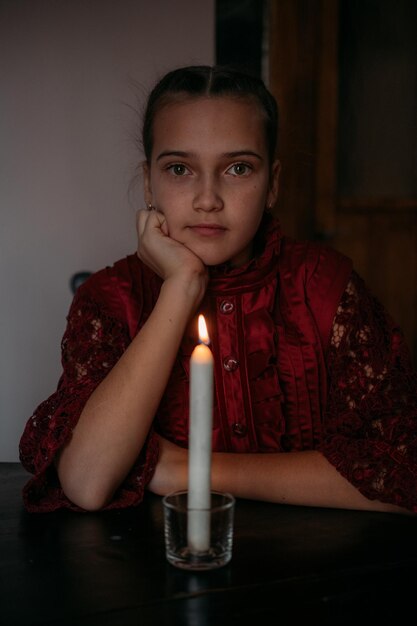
200 436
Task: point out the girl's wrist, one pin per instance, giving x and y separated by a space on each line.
190 286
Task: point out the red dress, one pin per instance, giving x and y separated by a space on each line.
305 358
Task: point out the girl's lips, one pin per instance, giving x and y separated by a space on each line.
208 230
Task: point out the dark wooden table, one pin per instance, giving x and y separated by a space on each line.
290 565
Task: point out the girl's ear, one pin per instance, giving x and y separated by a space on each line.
147 189
273 184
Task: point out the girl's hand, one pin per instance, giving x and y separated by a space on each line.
165 256
171 473
168 258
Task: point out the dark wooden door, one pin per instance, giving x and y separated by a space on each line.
345 76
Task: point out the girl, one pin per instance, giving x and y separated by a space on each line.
315 400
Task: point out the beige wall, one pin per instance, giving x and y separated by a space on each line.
66 160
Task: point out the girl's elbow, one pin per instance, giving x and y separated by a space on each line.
86 495
88 500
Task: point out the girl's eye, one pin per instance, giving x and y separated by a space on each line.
178 169
239 169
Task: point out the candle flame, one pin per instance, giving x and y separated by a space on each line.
202 330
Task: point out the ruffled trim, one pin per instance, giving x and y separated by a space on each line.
227 279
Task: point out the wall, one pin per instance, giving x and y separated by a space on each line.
67 157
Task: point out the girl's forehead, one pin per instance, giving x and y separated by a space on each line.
210 118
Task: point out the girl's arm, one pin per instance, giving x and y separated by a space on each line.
116 419
298 478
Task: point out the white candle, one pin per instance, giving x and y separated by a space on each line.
200 436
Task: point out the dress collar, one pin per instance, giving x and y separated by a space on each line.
236 279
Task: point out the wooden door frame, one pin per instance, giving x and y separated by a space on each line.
293 53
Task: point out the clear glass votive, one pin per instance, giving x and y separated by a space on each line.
185 546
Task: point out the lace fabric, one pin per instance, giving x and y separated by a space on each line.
370 422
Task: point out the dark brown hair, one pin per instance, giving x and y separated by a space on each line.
204 80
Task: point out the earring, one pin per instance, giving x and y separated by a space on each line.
150 207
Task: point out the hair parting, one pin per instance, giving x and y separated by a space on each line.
210 81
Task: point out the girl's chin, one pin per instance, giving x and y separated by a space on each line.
213 261
214 257
208 257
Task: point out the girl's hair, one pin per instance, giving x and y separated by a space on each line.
203 80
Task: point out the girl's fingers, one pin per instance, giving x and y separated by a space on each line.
141 218
150 219
165 256
164 227
155 247
157 219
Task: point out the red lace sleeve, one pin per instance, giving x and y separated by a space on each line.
371 417
93 342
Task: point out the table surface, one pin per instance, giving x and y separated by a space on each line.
292 564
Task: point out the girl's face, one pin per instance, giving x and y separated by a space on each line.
210 175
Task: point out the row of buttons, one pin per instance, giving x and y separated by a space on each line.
239 430
231 364
226 307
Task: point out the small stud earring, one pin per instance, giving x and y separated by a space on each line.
150 207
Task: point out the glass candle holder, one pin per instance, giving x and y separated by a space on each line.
198 539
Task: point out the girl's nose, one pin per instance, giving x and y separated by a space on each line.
207 196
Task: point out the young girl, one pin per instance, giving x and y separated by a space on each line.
315 400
